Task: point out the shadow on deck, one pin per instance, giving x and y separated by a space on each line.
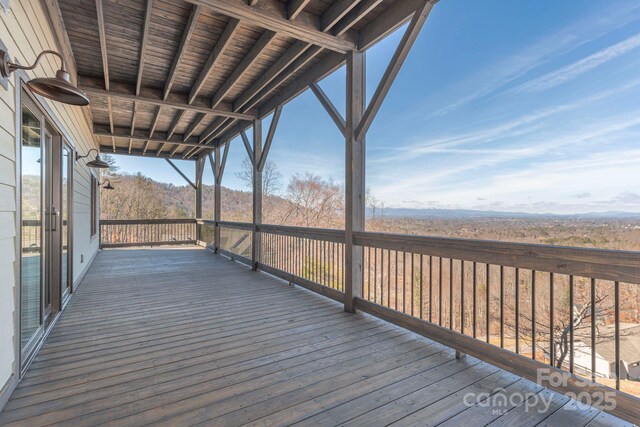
182 337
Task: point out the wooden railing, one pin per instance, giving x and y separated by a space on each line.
527 308
147 232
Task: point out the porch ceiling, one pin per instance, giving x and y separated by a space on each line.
167 77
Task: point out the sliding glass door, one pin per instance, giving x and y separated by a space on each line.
46 166
33 160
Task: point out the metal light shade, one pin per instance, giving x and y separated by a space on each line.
59 89
98 163
108 186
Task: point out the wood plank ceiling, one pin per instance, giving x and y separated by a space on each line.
174 78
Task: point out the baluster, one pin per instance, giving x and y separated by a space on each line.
616 297
593 330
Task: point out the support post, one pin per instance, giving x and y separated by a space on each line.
217 196
257 193
200 162
354 177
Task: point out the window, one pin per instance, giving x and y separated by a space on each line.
94 205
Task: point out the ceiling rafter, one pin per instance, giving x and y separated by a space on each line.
249 59
216 54
182 48
295 7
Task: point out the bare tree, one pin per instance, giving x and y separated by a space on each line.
315 202
271 177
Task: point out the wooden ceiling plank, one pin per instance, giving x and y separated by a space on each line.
182 48
215 56
249 59
143 44
272 15
294 7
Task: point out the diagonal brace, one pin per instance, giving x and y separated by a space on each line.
270 135
408 39
328 105
173 165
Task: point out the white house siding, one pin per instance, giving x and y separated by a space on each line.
25 30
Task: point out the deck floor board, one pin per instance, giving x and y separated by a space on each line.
178 336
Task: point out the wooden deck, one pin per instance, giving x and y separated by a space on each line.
183 337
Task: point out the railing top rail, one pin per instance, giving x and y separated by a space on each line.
148 221
235 224
614 265
328 234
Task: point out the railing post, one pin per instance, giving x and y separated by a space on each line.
217 192
354 178
257 193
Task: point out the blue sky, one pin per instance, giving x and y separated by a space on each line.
502 105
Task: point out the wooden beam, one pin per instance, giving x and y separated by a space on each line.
354 179
403 49
269 140
295 7
335 13
257 194
249 59
182 48
247 145
151 96
160 149
146 147
224 161
143 45
154 123
198 196
103 43
283 61
272 15
329 107
215 56
130 144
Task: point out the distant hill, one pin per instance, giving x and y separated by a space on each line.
474 214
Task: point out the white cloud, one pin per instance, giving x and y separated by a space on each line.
571 71
487 81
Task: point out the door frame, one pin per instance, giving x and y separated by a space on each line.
25 97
